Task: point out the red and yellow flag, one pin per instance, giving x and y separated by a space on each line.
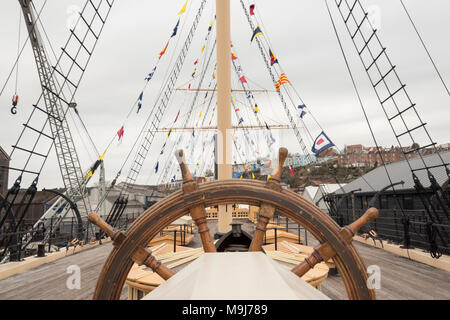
163 50
283 79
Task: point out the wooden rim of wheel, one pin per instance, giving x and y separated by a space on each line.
251 192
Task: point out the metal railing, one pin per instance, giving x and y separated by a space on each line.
63 235
412 228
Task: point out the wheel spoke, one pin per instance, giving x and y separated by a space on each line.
197 213
325 251
140 256
266 213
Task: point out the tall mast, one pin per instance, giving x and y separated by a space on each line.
224 103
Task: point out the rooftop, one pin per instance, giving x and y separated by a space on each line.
377 179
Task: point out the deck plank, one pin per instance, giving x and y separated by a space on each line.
48 282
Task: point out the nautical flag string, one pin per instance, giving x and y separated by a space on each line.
120 133
273 59
202 50
256 33
163 50
95 166
283 79
292 171
150 75
254 106
183 10
321 143
175 30
302 110
140 101
302 114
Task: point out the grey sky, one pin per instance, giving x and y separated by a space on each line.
301 36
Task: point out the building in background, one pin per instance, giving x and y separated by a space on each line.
4 165
368 157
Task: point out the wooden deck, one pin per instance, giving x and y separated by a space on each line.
400 278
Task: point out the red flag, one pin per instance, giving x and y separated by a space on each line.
292 171
120 133
242 79
252 9
196 61
177 117
189 85
233 56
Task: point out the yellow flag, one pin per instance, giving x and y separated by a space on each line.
203 48
200 115
183 10
214 76
268 177
103 155
253 176
241 176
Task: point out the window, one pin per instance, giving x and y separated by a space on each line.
349 203
384 202
408 202
363 202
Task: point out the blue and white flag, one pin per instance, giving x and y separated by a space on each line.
302 114
140 101
321 143
302 107
150 75
157 167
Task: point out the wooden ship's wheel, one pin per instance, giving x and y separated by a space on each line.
192 199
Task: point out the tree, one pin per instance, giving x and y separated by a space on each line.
415 145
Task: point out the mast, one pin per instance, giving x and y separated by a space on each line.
224 126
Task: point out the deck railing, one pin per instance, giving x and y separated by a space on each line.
409 228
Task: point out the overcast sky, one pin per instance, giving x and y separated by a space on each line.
301 36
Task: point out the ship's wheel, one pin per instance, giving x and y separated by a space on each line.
192 199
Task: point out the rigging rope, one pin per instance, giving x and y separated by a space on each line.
18 50
20 53
425 47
